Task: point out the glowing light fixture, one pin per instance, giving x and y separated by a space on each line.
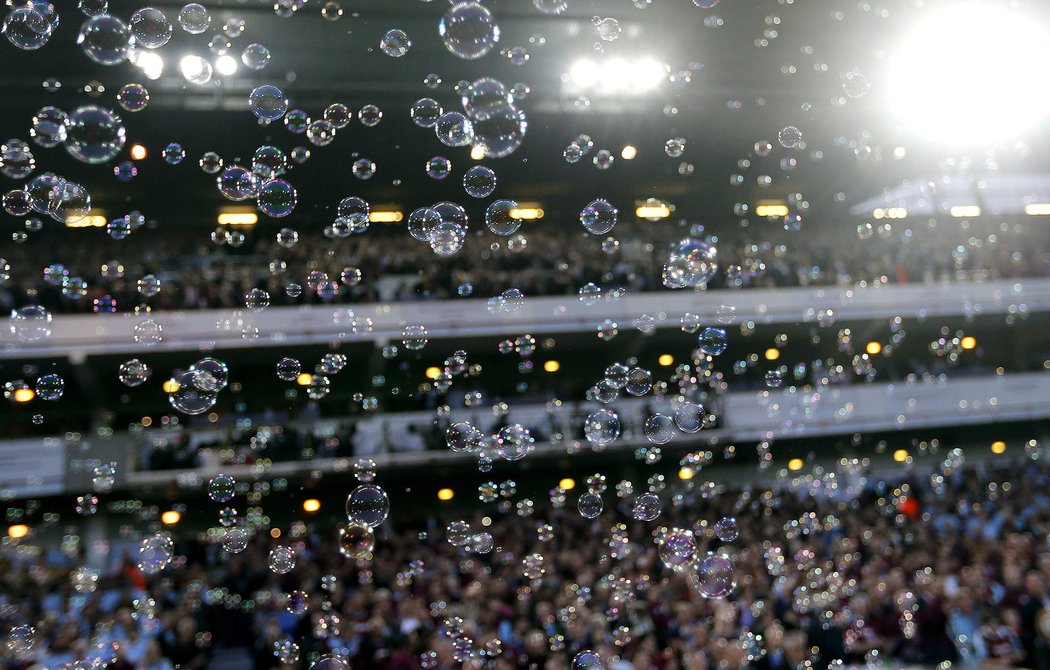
526 213
965 211
772 354
137 152
388 216
551 366
233 217
477 152
900 455
93 220
971 74
998 447
171 386
873 348
890 213
24 394
226 65
446 494
311 505
617 75
628 153
685 474
1037 209
771 210
657 210
170 518
304 379
666 360
432 372
567 484
17 531
795 464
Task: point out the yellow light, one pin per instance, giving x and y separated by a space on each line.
238 218
795 464
171 386
311 505
964 211
771 210
628 153
389 216
998 447
146 422
477 152
304 379
653 211
968 342
170 518
445 495
685 474
1037 209
665 360
873 348
772 354
890 213
567 484
23 395
551 366
138 152
900 455
17 531
433 372
526 213
89 221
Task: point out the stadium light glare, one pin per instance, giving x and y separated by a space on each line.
17 531
445 495
971 74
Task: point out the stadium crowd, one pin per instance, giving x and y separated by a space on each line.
195 273
933 568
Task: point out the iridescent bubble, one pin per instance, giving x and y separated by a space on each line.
726 529
238 183
70 202
363 168
281 560
639 382
150 27
186 397
855 85
587 659
105 39
590 505
690 417
26 28
50 387
659 429
712 341
356 540
235 539
421 222
134 372
221 488
438 167
500 217
370 115
602 427
368 505
30 323
17 202
16 159
485 97
468 30
155 553
598 217
320 132
425 112
414 338
267 102
288 369
713 577
677 549
173 153
463 436
691 263
789 137
133 97
194 18
647 507
454 129
255 56
277 198
395 43
49 127
500 134
94 134
479 181
447 238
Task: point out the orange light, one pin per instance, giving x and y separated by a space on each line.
304 379
795 464
900 455
171 386
552 366
275 533
311 505
772 354
17 531
138 152
873 348
146 422
998 447
567 484
968 342
685 474
170 518
23 395
432 372
665 360
446 494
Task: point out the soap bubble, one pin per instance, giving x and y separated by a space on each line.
94 134
395 43
281 560
255 56
646 507
598 217
479 181
500 219
30 323
425 112
454 129
155 553
186 397
268 102
221 488
48 127
659 429
713 577
468 30
133 97
26 28
134 372
712 341
50 387
367 504
277 198
194 18
590 505
602 427
789 137
150 27
105 39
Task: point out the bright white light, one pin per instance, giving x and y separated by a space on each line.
150 62
226 65
584 73
972 74
192 67
617 75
